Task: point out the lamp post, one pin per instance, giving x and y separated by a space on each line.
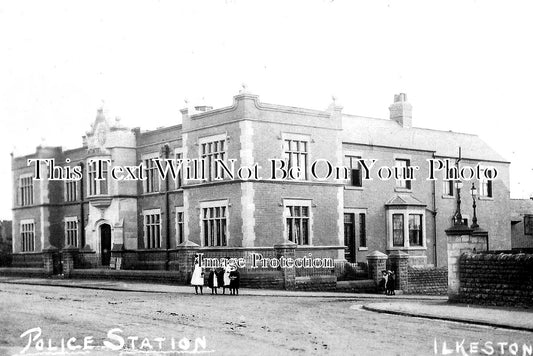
458 218
473 190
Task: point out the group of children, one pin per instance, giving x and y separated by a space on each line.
228 277
387 282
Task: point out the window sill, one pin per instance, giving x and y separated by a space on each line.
448 197
363 248
350 187
403 190
485 198
413 248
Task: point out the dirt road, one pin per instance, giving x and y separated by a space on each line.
229 325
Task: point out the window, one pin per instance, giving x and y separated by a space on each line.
401 166
97 186
415 230
362 230
296 154
151 183
448 188
356 175
180 237
214 223
485 188
178 155
397 230
71 187
26 190
297 220
152 228
27 234
212 149
71 231
349 237
406 227
528 225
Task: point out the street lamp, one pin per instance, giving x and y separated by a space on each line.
458 218
473 190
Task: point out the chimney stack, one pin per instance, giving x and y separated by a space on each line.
401 111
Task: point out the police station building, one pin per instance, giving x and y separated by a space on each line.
383 204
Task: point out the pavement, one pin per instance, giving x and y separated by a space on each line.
422 306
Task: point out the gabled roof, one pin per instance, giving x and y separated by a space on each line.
388 133
404 200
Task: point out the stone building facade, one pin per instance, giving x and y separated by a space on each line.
6 235
344 217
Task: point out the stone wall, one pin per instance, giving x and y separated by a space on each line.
316 283
461 240
27 260
496 278
427 280
264 280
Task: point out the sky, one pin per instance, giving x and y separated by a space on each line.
465 65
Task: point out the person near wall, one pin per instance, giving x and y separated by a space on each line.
390 283
213 281
226 280
235 279
219 274
197 279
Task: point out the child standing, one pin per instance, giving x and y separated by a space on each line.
226 278
197 279
390 283
212 281
235 279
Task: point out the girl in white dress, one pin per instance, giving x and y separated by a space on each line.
227 280
197 279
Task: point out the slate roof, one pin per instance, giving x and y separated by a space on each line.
404 200
385 132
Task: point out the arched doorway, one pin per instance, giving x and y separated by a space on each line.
105 244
